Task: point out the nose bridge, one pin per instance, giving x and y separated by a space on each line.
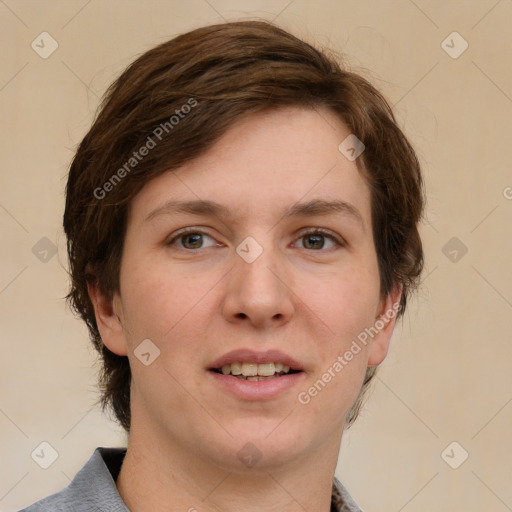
257 291
257 274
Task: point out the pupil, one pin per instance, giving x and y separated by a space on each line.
194 239
317 241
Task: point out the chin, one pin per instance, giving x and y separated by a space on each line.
262 445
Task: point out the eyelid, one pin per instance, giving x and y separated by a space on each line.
185 231
325 232
337 239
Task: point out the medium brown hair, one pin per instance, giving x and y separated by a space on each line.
177 100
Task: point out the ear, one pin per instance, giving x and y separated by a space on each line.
108 317
384 324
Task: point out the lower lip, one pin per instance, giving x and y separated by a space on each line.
256 389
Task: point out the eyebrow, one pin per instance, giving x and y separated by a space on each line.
315 207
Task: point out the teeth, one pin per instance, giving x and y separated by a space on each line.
249 369
266 369
253 371
236 368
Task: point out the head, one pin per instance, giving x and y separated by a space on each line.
248 116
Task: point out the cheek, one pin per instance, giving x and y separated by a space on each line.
165 304
170 310
147 301
343 302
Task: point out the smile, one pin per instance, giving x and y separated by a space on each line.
254 371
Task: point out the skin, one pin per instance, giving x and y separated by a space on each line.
307 296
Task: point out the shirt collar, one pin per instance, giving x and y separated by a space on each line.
342 501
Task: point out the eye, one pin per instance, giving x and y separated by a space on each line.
191 239
318 239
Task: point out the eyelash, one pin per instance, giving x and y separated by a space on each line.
312 231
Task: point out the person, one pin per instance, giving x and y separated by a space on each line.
242 227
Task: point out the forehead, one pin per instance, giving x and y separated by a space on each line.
262 166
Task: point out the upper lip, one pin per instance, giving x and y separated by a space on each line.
255 357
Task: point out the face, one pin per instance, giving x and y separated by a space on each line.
259 252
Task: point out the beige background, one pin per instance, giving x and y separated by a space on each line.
448 377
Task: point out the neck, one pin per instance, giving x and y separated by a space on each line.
161 475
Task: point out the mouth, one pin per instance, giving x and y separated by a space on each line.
249 375
255 371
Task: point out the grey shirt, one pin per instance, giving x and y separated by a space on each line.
94 489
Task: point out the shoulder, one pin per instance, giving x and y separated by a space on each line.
62 501
93 489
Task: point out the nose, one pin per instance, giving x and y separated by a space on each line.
259 293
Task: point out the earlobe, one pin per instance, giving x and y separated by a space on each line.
107 319
384 326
